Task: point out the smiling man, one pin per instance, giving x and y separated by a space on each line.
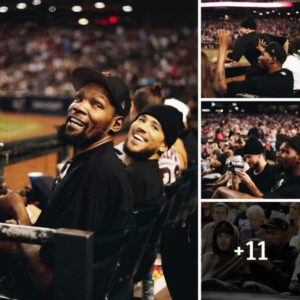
95 193
151 134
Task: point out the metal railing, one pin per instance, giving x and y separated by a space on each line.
17 151
73 257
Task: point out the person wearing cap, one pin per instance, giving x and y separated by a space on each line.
151 134
260 177
273 274
95 193
277 82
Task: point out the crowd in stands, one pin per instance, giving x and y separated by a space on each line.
40 60
256 144
277 27
227 226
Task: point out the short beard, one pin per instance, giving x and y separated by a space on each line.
141 155
78 141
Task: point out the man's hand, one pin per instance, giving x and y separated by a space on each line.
261 45
12 205
224 37
244 177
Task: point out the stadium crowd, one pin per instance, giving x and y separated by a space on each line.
40 61
227 226
245 156
277 27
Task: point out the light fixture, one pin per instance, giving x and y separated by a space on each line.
52 9
21 5
127 8
99 5
3 9
36 2
83 21
76 8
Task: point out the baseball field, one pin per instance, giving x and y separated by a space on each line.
16 126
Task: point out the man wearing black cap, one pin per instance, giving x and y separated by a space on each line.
260 178
278 82
95 193
274 273
154 130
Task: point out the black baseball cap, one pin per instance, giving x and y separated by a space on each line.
277 223
276 50
224 226
249 23
253 146
117 88
294 142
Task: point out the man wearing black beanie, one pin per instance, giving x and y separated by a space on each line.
260 178
154 130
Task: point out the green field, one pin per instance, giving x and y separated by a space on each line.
212 53
11 127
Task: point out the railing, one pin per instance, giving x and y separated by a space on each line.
17 151
73 257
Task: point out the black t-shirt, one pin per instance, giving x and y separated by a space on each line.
146 182
286 189
94 195
222 158
246 45
264 181
276 84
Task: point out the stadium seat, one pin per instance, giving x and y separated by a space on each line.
145 218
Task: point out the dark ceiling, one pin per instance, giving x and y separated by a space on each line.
145 12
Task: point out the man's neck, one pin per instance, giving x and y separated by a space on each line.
294 172
104 140
274 68
261 165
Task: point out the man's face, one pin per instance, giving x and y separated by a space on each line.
219 214
287 157
264 60
243 31
275 237
232 142
255 221
252 159
224 241
90 116
145 138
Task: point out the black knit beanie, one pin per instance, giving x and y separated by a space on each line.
253 146
249 23
169 118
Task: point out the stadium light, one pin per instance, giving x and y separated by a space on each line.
83 21
76 8
99 5
247 4
36 2
21 5
127 8
52 9
3 9
297 12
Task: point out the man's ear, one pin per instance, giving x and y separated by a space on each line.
117 124
163 148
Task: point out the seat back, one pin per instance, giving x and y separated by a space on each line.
145 218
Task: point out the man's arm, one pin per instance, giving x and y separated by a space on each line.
13 205
255 191
226 193
224 37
